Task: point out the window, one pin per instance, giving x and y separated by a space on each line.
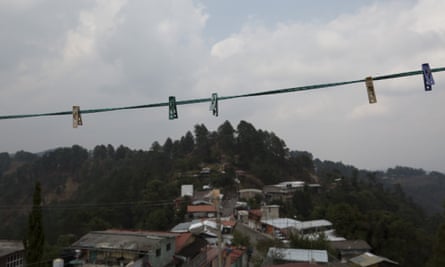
15 260
169 246
158 252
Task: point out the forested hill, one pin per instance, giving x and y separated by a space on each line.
118 187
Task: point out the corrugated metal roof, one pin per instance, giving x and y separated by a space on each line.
351 245
10 246
369 259
298 255
122 240
281 223
313 224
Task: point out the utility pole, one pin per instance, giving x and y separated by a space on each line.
216 201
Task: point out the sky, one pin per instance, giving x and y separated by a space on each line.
113 53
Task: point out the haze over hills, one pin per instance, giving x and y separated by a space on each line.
109 187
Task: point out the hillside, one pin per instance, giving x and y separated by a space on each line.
110 187
425 189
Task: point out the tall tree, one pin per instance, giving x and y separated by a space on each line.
226 138
203 145
35 237
438 257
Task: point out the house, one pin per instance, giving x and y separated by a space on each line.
283 191
122 247
370 260
270 212
187 190
282 227
191 250
249 193
313 226
288 255
201 211
12 253
279 226
234 257
348 249
254 219
230 257
256 216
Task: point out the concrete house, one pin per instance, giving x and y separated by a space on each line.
119 248
12 253
348 249
290 255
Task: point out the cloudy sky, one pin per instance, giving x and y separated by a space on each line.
112 53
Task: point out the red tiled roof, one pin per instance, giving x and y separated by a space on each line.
255 213
235 254
182 241
201 208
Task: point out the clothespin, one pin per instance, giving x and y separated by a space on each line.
371 92
77 117
214 104
172 111
428 79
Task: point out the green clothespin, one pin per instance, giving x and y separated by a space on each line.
214 104
172 111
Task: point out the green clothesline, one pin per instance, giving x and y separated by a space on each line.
202 100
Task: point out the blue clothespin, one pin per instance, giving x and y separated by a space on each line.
172 111
214 104
428 79
371 92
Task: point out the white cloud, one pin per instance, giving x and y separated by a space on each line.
226 48
117 53
377 40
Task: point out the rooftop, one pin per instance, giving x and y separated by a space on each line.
252 190
351 245
369 259
298 255
10 246
282 223
122 240
201 208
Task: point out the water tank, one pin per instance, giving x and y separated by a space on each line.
58 262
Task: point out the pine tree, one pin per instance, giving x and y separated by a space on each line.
35 237
438 257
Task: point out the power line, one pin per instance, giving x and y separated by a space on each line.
159 203
202 100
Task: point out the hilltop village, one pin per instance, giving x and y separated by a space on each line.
231 197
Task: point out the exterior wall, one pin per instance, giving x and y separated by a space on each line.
199 215
270 212
16 259
248 194
160 255
165 256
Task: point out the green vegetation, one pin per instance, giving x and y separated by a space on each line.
35 238
110 187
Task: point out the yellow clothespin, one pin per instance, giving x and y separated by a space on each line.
371 92
77 117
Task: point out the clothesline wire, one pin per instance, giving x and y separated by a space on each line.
202 100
